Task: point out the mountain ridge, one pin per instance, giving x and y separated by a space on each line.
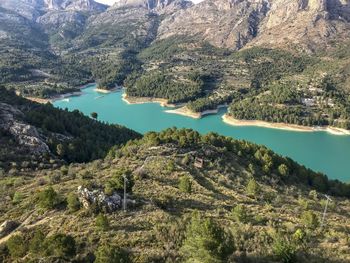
289 21
167 49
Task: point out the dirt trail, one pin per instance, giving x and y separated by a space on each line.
25 224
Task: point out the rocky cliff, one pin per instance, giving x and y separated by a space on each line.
160 6
235 23
81 5
26 135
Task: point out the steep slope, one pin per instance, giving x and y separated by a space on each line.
32 9
175 207
36 32
159 6
116 36
276 23
223 23
84 42
77 5
310 24
290 66
24 49
186 53
35 135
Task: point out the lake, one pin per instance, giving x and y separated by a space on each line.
320 151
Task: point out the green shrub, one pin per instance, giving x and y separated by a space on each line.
49 199
251 169
313 195
206 242
269 197
94 115
111 254
102 222
64 170
36 243
17 198
55 178
73 203
284 250
309 219
252 188
117 182
60 245
185 184
17 246
239 214
171 166
303 203
283 170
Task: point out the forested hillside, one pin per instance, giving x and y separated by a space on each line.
187 54
36 135
242 203
75 189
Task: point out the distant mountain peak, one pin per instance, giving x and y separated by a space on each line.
25 7
276 23
153 4
86 5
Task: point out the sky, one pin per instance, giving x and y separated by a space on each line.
111 2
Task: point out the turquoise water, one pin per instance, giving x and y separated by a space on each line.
319 151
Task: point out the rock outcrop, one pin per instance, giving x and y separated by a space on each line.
26 135
98 199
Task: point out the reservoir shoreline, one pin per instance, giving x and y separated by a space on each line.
185 111
283 126
61 96
320 151
181 109
143 100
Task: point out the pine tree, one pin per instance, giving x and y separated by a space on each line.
252 188
206 242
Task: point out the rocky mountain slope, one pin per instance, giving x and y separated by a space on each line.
36 136
159 6
32 9
268 23
208 54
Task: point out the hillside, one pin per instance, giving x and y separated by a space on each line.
243 204
287 60
189 197
234 24
40 136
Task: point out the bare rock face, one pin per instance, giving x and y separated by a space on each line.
272 23
98 198
307 23
29 9
81 5
26 135
33 9
57 19
223 23
159 6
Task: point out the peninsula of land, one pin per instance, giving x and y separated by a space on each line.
283 126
